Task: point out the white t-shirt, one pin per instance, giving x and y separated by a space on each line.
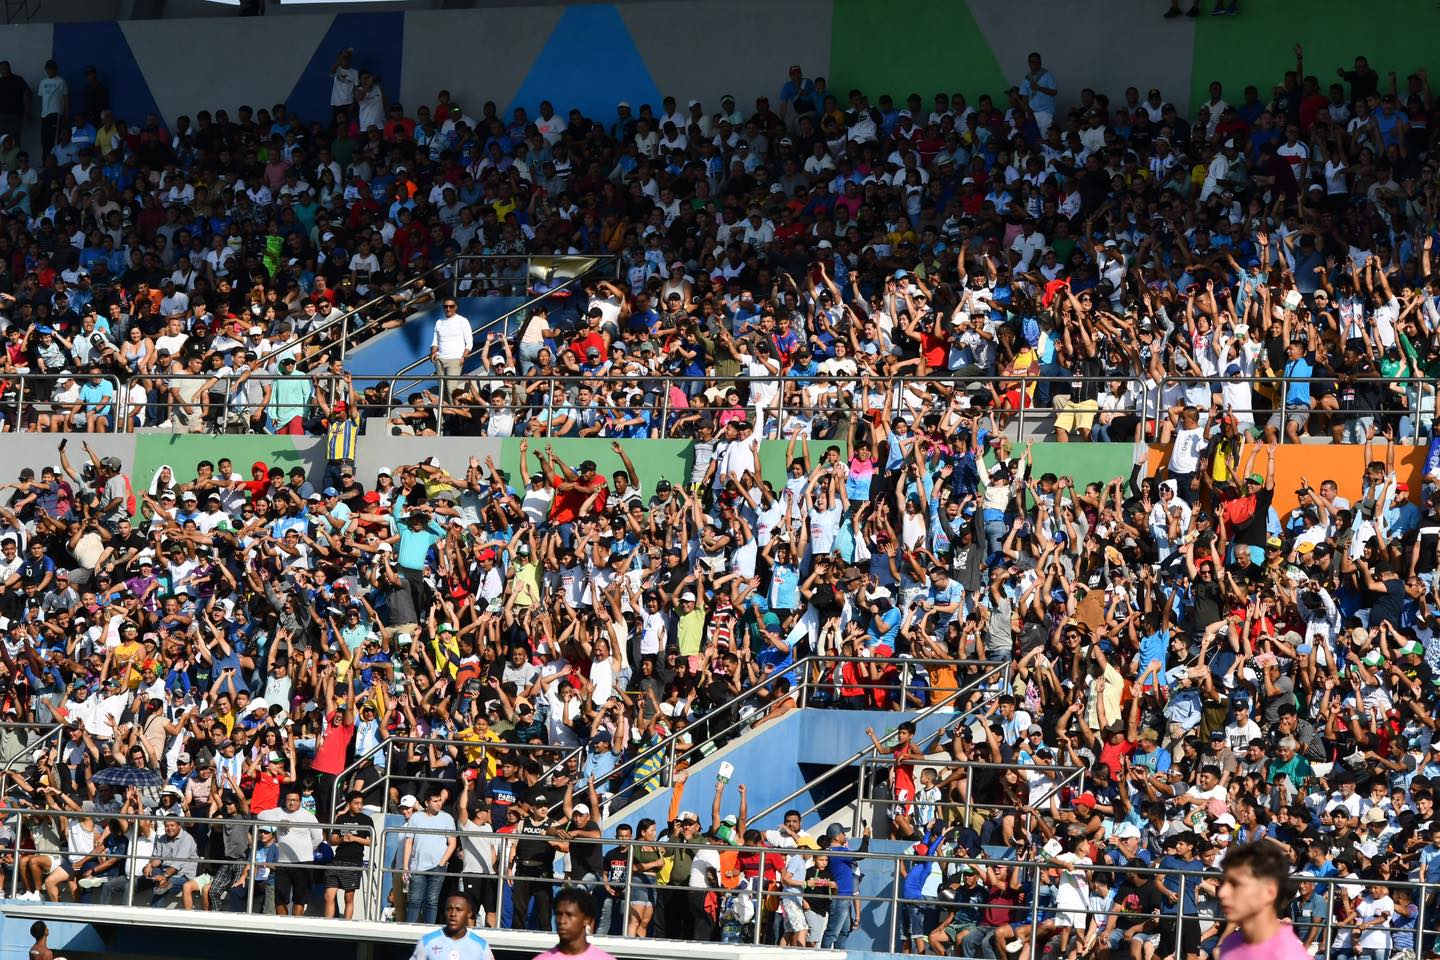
52 92
342 87
1185 457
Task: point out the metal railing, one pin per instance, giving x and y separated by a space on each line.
46 736
750 887
1330 410
24 401
487 750
992 682
235 414
795 408
568 271
1065 773
733 719
821 405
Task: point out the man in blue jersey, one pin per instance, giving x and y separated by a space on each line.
457 940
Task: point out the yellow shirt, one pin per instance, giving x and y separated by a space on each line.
689 631
474 754
127 662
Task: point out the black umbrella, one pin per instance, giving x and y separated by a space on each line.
128 777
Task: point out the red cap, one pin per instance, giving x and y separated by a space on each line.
341 406
1085 799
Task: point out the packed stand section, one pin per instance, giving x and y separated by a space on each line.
493 655
1088 263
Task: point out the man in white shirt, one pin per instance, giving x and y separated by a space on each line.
450 345
343 80
297 841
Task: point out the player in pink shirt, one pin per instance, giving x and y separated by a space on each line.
574 919
1253 889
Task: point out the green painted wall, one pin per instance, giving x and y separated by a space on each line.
183 451
911 46
1258 46
654 459
1084 462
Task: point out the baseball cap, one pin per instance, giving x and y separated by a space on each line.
408 801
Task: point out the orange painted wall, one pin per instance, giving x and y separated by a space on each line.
1343 463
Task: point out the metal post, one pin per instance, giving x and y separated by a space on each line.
1180 914
969 775
904 682
500 880
1330 918
759 901
130 865
665 412
629 879
779 415
1034 908
254 857
894 902
15 865
1420 920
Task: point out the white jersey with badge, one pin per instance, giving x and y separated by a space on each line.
439 946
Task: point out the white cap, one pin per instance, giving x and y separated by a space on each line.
408 801
1126 831
1225 820
687 595
259 703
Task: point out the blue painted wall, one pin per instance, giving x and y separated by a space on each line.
590 62
103 46
378 39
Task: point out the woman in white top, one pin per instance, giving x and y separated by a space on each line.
677 282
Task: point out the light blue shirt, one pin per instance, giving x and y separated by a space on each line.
1040 102
426 849
437 946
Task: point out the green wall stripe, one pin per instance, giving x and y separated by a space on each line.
911 46
1257 47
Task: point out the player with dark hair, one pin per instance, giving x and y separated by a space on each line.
1254 890
574 911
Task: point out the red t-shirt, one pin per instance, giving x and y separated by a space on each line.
584 344
1113 753
267 792
330 757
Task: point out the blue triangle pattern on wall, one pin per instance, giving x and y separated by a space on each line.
591 63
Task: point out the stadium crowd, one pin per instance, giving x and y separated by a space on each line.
1101 262
490 656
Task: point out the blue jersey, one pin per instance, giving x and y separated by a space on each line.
438 946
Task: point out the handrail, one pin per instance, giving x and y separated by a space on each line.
801 668
394 378
569 753
343 316
1001 667
56 732
377 867
1066 773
